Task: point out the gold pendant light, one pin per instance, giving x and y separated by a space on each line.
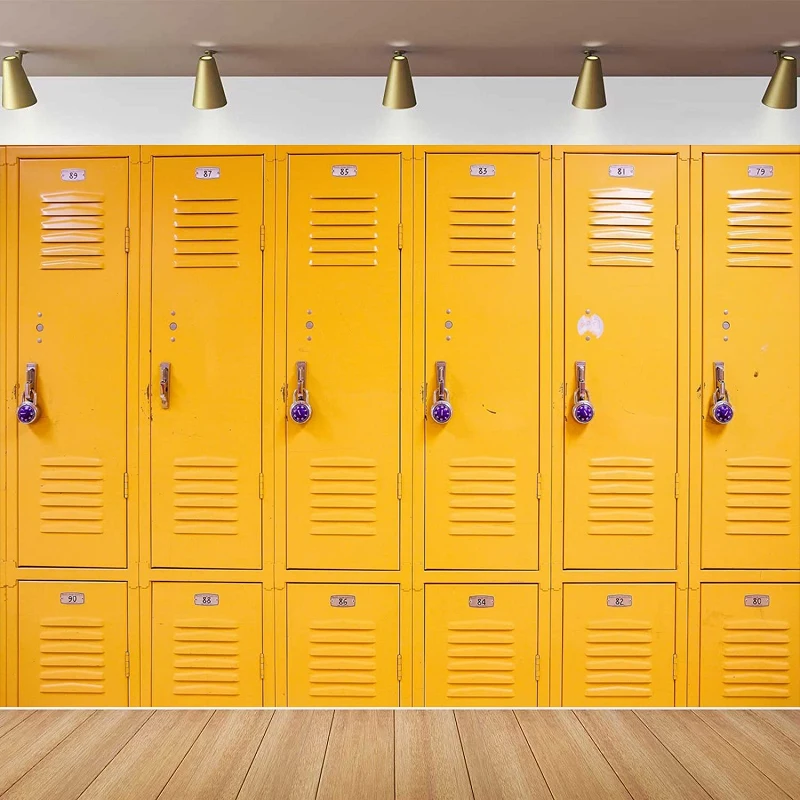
17 92
590 91
782 89
399 92
208 90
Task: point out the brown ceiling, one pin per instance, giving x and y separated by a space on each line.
355 37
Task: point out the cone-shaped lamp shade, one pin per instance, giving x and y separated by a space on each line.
590 92
782 89
17 92
399 92
208 91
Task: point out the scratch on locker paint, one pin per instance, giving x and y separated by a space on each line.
488 409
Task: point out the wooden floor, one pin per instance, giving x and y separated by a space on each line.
410 754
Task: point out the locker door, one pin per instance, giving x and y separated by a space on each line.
73 326
73 640
207 644
618 646
482 322
750 644
344 324
207 323
343 644
751 291
621 317
480 645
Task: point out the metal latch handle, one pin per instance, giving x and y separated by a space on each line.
164 370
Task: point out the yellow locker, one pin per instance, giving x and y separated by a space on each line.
207 644
618 645
751 343
621 345
71 361
343 644
343 349
481 361
481 645
206 361
750 644
73 643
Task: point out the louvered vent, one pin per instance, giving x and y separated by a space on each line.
483 230
758 496
480 657
72 656
756 659
619 658
72 230
343 658
206 232
344 230
621 496
482 499
760 228
343 497
206 496
71 495
207 656
621 227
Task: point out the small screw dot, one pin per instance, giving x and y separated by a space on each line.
588 310
173 313
173 326
448 310
172 338
447 338
588 338
309 311
309 324
724 338
448 324
726 325
39 341
309 338
38 313
40 327
725 311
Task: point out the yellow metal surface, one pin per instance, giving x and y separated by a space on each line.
481 645
343 644
618 645
73 643
207 644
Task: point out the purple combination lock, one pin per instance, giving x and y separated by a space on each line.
300 409
441 410
721 409
582 409
28 410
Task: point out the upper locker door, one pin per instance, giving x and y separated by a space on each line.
73 276
751 289
207 325
621 322
343 319
482 341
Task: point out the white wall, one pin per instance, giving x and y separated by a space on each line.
449 111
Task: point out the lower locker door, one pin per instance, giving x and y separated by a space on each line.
618 645
73 643
343 644
750 644
207 647
480 645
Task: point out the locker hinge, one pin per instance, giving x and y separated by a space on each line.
677 484
399 235
677 237
674 666
125 485
261 666
127 664
261 485
538 485
539 235
127 239
399 667
537 667
399 485
262 236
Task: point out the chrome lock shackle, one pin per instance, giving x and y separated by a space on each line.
441 409
721 408
582 408
300 409
28 409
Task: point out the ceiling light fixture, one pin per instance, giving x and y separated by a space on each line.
590 91
17 92
399 92
782 89
208 90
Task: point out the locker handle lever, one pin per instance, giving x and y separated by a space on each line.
300 409
28 409
164 370
582 408
441 410
721 409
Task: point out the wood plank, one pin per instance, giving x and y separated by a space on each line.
288 763
499 760
429 761
571 763
772 753
648 770
786 720
714 764
74 763
217 764
33 739
359 762
11 718
144 766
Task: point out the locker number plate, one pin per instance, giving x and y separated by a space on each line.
619 600
206 173
73 598
621 171
73 174
756 600
482 170
481 601
343 600
760 171
344 170
206 599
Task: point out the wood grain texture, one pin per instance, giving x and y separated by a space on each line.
500 763
11 718
786 720
145 764
557 738
359 763
429 761
648 770
714 764
288 763
217 764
